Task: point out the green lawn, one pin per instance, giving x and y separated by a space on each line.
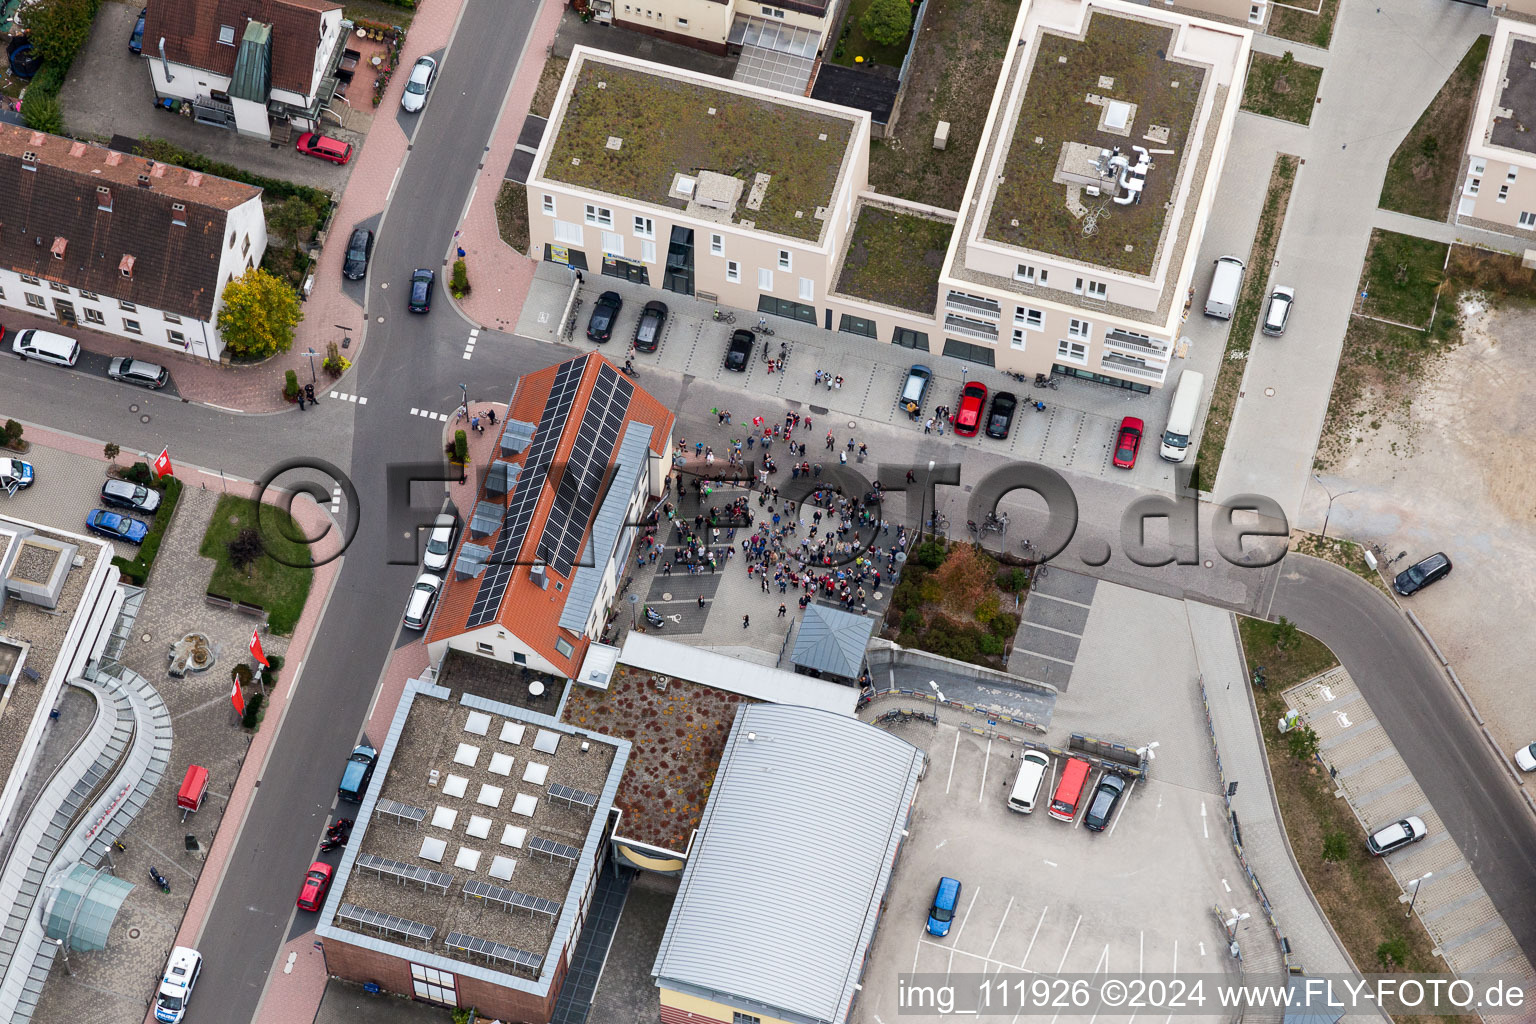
1281 87
894 258
853 44
1402 275
280 589
1304 26
1423 173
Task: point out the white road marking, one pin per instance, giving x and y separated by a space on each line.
1070 939
1052 863
1141 966
1175 957
1225 886
1344 721
974 893
345 397
952 755
1033 937
1202 949
1327 692
1000 927
1204 826
981 791
1123 801
335 500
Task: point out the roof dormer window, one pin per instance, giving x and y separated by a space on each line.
226 35
125 267
59 245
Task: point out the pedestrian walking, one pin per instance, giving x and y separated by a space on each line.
491 414
818 376
911 479
746 620
701 600
474 423
928 426
782 611
842 458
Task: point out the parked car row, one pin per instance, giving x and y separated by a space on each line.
429 584
47 347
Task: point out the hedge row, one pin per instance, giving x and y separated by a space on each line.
170 153
137 570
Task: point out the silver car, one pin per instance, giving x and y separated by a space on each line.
1279 311
137 371
418 607
1397 835
423 74
440 543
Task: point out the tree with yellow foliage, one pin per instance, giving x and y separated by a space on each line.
259 315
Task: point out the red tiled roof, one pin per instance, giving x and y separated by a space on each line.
57 223
530 612
191 31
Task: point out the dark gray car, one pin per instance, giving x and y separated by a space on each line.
648 332
1422 573
127 494
1105 798
359 249
137 371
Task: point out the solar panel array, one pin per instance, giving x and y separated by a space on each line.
511 898
494 951
386 922
585 470
552 848
404 813
574 797
405 872
514 525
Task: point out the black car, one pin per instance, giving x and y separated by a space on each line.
652 319
739 353
1000 420
1105 798
421 290
1421 574
359 248
136 41
600 327
127 494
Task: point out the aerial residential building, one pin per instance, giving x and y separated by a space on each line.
582 452
98 239
250 65
1073 249
1499 190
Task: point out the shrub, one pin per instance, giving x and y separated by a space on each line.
246 547
1287 635
59 28
253 713
241 674
887 22
1392 953
987 609
275 661
460 447
911 621
1302 743
1005 624
139 473
42 112
137 570
459 284
990 644
1012 580
930 553
290 385
273 188
335 363
13 432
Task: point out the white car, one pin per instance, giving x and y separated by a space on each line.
15 475
440 543
176 984
423 74
1525 757
1279 311
418 608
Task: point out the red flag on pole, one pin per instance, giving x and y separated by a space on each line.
163 463
255 648
237 698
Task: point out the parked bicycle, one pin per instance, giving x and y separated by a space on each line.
1045 380
724 317
762 326
995 523
938 521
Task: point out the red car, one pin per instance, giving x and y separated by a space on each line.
973 398
325 147
317 880
1128 443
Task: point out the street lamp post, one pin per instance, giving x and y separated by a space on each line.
311 354
1416 883
1331 499
464 388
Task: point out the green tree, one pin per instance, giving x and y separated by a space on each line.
1287 636
259 315
1302 743
42 112
111 451
887 22
59 28
292 219
1335 846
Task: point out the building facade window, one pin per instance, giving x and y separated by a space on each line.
1025 273
92 316
613 243
176 338
36 301
567 233
786 260
1079 328
549 205
717 245
171 318
1018 338
1527 219
599 216
807 289
981 354
434 986
127 306
28 279
1098 290
1030 319
89 296
1255 14
1503 193
785 308
1474 185
908 338
1510 177
1073 351
733 271
645 227
484 648
764 279
682 22
647 252
519 658
131 326
858 325
563 647
55 286
737 1017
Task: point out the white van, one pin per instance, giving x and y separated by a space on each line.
50 348
1026 788
1181 416
1226 283
176 985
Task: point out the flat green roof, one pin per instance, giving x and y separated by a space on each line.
895 258
1118 58
666 127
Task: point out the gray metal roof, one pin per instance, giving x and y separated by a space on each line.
517 435
630 463
787 935
832 640
486 518
252 77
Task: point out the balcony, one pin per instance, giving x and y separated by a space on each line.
971 305
970 328
1137 344
1111 362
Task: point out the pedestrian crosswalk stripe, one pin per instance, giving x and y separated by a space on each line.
344 397
430 415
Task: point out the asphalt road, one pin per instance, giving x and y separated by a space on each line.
1427 722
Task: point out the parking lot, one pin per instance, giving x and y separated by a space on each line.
1042 896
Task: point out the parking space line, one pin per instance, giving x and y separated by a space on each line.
1124 801
1000 925
952 755
969 907
1033 937
1204 827
1071 939
981 791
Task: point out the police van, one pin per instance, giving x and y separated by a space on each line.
176 985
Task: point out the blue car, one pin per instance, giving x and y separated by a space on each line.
117 527
136 40
942 913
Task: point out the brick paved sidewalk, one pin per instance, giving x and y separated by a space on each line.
499 274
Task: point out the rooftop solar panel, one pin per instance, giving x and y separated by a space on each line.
586 470
494 950
514 527
574 797
552 848
386 922
511 898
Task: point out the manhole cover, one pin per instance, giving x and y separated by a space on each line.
144 418
878 595
853 424
666 597
133 933
134 407
1207 563
1269 392
146 638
